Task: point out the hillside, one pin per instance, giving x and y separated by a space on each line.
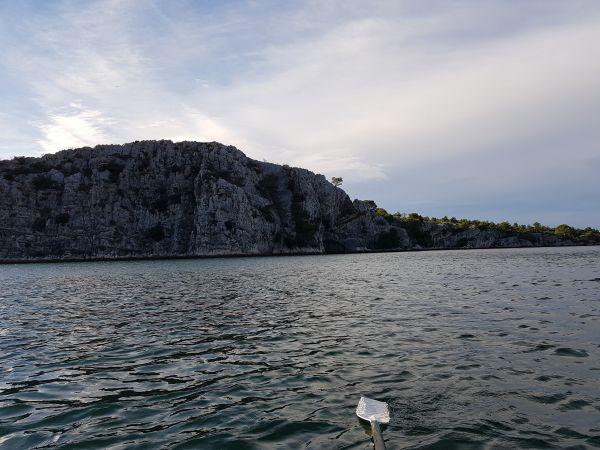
163 199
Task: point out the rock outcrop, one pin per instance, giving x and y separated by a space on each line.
449 236
164 199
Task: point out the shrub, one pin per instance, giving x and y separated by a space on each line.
305 229
114 168
84 187
267 213
590 234
462 242
156 233
387 240
175 198
62 218
268 185
565 231
161 202
289 242
38 167
386 215
144 162
42 182
414 217
39 224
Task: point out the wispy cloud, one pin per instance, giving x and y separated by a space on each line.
75 127
412 102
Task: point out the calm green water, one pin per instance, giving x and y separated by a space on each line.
494 349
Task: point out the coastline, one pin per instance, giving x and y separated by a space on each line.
5 262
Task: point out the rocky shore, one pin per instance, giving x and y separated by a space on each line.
153 199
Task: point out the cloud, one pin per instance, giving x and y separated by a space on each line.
411 105
411 102
331 162
77 127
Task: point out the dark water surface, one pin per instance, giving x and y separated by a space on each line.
492 349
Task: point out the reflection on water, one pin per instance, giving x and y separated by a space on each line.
485 349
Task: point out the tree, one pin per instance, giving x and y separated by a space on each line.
565 231
337 181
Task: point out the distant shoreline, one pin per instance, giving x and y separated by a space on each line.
6 262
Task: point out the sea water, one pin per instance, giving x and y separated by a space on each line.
480 349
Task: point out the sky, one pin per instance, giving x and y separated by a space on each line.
476 109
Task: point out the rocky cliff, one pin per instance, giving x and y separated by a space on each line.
447 235
159 198
165 199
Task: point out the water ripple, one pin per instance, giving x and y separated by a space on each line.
472 349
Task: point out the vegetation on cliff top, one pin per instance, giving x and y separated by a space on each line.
412 222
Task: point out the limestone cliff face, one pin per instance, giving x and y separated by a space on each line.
159 198
165 199
448 236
